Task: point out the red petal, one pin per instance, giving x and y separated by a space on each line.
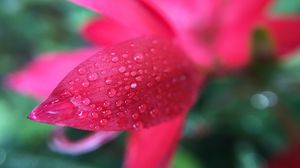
183 14
285 33
104 31
236 26
60 143
241 13
41 76
154 147
134 84
287 159
234 48
132 14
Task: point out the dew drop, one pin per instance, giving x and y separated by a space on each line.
94 115
142 108
111 92
108 81
106 112
154 113
140 71
149 84
106 104
138 78
124 55
115 59
130 94
122 69
133 85
85 84
119 103
103 121
138 58
133 73
81 71
86 101
157 78
97 64
99 108
135 116
138 125
93 76
153 50
154 41
126 87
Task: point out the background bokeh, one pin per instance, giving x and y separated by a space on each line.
230 126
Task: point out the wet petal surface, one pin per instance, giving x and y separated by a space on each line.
132 85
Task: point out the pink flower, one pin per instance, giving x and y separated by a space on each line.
287 158
157 57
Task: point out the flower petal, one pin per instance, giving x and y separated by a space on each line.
234 48
104 31
134 15
153 147
135 84
183 14
237 23
239 13
60 143
41 76
289 158
285 33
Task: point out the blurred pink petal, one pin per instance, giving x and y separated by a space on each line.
62 144
154 147
243 13
131 85
237 23
104 31
41 76
134 15
184 14
285 32
286 159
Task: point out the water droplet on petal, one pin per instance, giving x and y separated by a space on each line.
154 113
115 59
103 121
135 116
138 125
81 71
119 103
142 108
108 81
138 58
111 92
93 76
124 55
94 115
85 84
139 78
153 50
86 101
133 73
106 104
133 85
122 69
149 84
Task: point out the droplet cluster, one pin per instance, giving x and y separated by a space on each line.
132 85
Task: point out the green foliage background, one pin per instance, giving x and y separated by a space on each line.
223 129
